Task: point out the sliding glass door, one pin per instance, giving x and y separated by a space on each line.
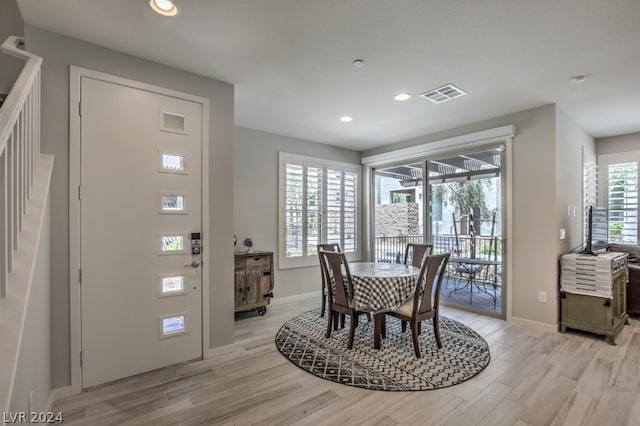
458 208
466 219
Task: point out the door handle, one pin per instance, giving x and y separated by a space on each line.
193 264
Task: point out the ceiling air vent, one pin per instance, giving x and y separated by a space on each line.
444 93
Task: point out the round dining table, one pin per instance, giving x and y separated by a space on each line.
381 287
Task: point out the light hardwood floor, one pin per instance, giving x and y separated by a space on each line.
533 378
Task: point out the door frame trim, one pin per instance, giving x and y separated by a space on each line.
75 315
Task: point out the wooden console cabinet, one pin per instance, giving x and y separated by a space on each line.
253 281
597 314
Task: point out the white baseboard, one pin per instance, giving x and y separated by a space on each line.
540 326
57 394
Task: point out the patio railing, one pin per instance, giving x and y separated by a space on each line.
391 249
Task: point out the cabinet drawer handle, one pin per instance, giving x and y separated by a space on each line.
248 288
265 273
241 290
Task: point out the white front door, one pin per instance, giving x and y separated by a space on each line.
140 207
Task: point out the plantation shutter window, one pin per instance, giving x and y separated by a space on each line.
314 204
622 197
334 207
319 204
294 198
349 232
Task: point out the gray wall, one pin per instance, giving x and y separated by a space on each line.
536 193
547 177
11 24
617 144
59 52
573 145
255 199
536 220
33 372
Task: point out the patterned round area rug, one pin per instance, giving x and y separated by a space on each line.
392 368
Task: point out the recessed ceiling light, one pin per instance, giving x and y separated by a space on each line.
164 7
578 79
358 63
346 118
402 97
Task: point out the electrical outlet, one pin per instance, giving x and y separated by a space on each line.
542 296
563 234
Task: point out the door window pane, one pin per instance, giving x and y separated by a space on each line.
172 325
172 121
172 203
172 244
173 284
172 163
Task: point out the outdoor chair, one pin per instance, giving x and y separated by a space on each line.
468 271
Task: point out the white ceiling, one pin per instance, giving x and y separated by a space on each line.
291 60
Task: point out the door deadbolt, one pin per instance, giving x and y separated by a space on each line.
196 243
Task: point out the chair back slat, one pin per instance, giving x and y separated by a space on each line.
324 272
329 247
415 253
325 247
432 273
342 290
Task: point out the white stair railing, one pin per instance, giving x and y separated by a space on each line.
19 153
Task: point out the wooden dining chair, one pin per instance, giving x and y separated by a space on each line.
416 252
340 294
326 247
425 302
